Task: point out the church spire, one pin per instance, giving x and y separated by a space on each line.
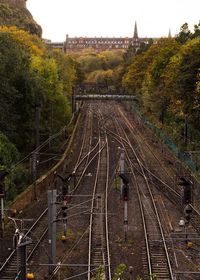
135 36
169 34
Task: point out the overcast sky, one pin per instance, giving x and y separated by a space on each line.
112 18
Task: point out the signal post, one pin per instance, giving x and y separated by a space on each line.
187 200
125 197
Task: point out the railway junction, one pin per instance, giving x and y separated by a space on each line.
118 201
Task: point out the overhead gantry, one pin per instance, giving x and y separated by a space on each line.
84 97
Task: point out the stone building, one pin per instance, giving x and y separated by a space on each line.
16 3
77 44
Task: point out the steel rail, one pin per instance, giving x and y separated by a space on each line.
106 211
91 217
131 129
30 231
121 140
88 125
154 207
155 210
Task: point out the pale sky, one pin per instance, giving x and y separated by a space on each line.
112 18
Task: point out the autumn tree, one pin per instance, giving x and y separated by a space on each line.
155 96
184 34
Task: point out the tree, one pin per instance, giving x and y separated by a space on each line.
90 62
196 30
135 75
184 34
156 97
14 68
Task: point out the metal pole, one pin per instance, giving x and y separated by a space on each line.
65 220
73 103
52 228
34 174
2 217
51 119
23 262
125 220
17 249
186 235
37 125
122 160
186 131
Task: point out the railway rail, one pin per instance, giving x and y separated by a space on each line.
157 257
99 254
10 268
95 154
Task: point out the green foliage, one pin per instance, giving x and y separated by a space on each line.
103 77
165 80
67 71
16 181
8 152
98 275
156 98
118 274
153 277
187 74
90 63
31 77
136 72
196 33
184 34
101 68
16 97
18 177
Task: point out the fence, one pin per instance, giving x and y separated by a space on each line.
182 156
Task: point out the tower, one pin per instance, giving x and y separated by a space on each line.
136 40
169 34
135 35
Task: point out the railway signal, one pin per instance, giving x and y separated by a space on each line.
122 167
64 218
125 186
65 187
187 194
125 192
125 196
187 200
187 212
187 190
2 191
52 194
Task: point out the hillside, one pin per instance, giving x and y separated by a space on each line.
20 17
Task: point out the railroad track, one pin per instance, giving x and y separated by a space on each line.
98 240
155 240
99 253
156 259
10 268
